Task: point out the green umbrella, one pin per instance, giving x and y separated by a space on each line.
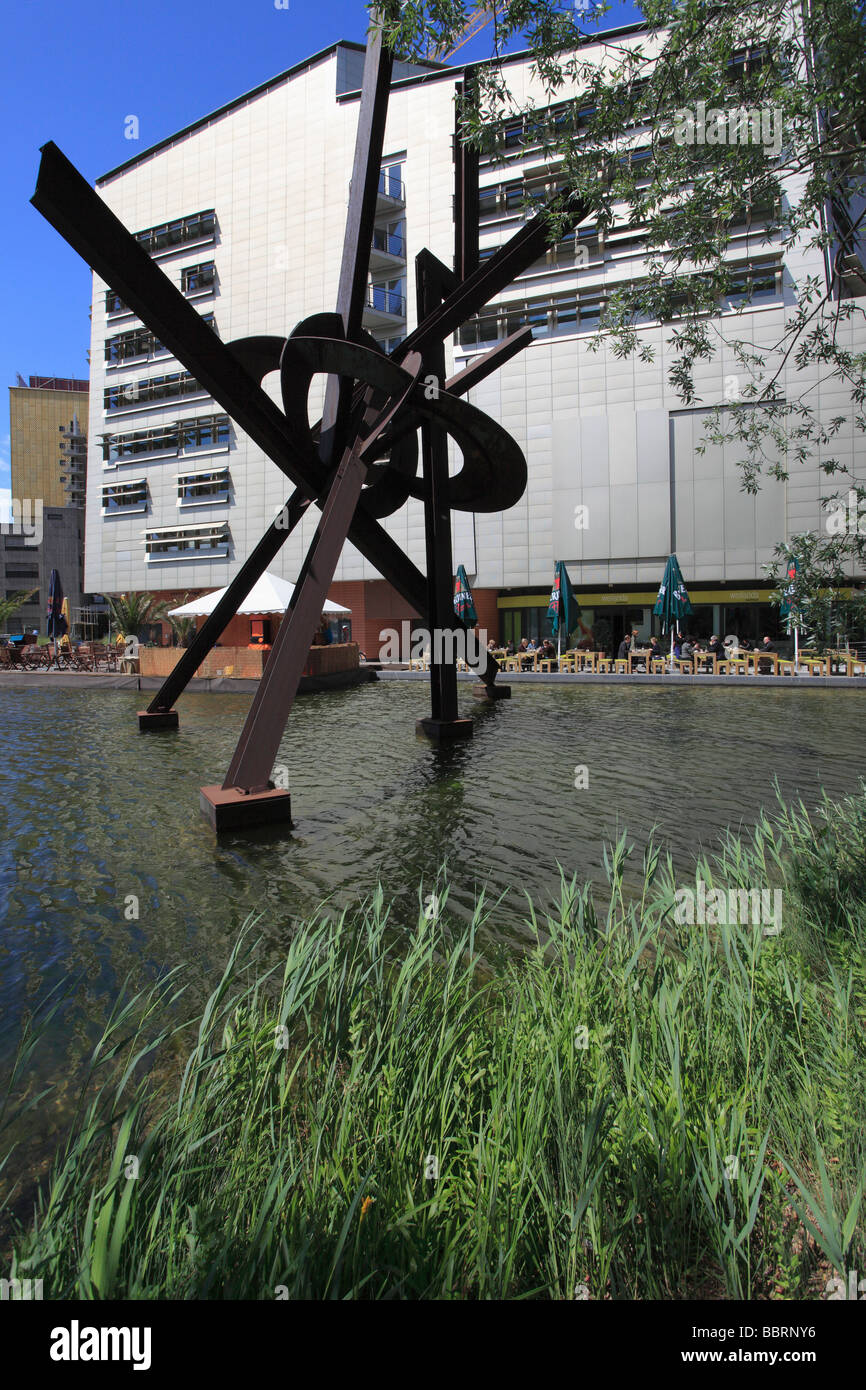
464 604
788 607
564 609
673 600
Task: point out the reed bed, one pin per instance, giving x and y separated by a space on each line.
632 1108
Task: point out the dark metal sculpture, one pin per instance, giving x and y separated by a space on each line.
360 462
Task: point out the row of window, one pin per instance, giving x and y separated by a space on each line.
202 432
591 246
139 342
204 485
154 388
194 279
206 542
581 310
549 124
200 226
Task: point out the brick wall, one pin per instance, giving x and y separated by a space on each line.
247 662
375 605
488 613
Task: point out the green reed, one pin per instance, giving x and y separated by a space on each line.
631 1108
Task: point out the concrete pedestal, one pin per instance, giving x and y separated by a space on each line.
491 692
445 730
157 719
230 809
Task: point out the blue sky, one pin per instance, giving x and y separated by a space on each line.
72 74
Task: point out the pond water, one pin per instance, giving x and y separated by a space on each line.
93 812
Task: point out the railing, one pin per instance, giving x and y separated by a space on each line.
386 301
390 243
391 186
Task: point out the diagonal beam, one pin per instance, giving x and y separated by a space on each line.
358 238
68 202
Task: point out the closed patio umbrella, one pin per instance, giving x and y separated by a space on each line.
56 622
788 608
464 604
673 601
563 609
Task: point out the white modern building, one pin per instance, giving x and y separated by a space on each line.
245 212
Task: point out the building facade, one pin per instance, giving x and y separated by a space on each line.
48 430
245 212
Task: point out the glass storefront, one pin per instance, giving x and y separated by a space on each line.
605 623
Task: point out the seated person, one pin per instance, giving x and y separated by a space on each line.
623 649
654 653
717 648
767 645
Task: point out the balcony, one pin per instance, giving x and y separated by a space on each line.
384 308
388 250
391 193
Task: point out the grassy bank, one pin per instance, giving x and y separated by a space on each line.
636 1108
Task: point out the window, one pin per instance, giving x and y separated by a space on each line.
512 136
625 241
139 342
589 309
488 201
390 239
483 328
389 345
207 541
155 388
22 571
564 308
114 304
204 485
391 182
759 283
387 297
201 432
201 226
194 279
512 197
128 496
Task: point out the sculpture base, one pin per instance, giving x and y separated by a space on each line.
444 730
491 692
229 809
156 719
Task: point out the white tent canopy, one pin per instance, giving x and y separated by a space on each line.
270 594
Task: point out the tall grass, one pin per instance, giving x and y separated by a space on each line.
631 1109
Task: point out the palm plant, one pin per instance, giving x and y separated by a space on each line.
130 612
10 606
182 628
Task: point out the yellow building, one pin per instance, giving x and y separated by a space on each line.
39 414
